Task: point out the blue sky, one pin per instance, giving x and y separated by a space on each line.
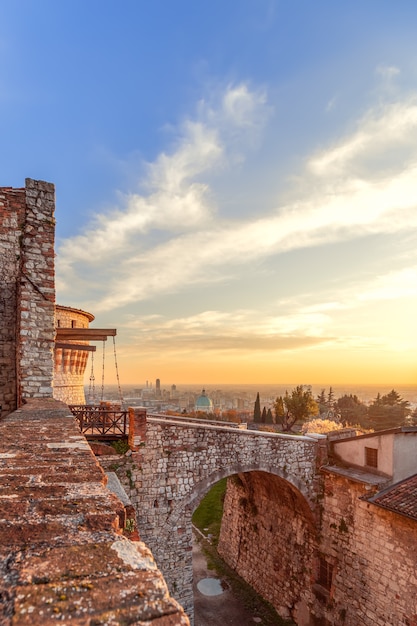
235 180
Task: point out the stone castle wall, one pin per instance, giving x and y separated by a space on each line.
66 556
70 364
269 537
372 553
12 212
357 567
27 293
174 464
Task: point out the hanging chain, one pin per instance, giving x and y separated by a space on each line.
117 372
102 372
92 388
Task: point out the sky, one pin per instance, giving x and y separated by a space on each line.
236 180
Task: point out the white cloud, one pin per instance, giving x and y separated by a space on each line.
176 201
345 194
382 136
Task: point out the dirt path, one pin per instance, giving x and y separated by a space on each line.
223 609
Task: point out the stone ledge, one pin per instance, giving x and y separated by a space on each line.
63 557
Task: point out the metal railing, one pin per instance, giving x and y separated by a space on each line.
101 422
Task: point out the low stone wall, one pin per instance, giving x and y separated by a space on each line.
63 555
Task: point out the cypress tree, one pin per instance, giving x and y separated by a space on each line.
263 415
257 410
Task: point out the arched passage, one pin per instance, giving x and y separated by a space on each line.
268 536
200 488
177 463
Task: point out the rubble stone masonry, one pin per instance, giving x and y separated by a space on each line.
12 212
372 555
27 293
64 555
172 466
355 565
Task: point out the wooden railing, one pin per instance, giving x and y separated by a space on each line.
101 422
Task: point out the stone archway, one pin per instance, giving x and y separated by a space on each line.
256 499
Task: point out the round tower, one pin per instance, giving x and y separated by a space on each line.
70 356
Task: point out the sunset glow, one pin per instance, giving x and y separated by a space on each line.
242 204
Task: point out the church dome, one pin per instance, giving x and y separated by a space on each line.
203 403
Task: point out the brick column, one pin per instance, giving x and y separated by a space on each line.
137 428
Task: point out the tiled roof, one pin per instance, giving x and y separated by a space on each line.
400 498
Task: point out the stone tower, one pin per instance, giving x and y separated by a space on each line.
71 355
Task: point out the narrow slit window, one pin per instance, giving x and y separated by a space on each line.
371 457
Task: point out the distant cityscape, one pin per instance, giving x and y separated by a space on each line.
160 398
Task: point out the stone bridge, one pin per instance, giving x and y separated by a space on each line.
176 461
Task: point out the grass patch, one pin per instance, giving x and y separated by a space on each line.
208 515
121 446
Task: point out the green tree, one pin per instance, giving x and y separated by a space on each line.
352 410
295 407
388 411
263 418
330 399
322 401
269 417
257 410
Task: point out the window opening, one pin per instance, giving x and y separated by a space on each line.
325 573
371 457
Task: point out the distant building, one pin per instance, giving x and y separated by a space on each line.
204 404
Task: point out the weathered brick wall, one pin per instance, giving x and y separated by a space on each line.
12 211
268 537
27 292
69 363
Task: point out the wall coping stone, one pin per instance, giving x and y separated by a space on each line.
63 557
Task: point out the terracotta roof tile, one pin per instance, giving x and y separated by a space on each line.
400 498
